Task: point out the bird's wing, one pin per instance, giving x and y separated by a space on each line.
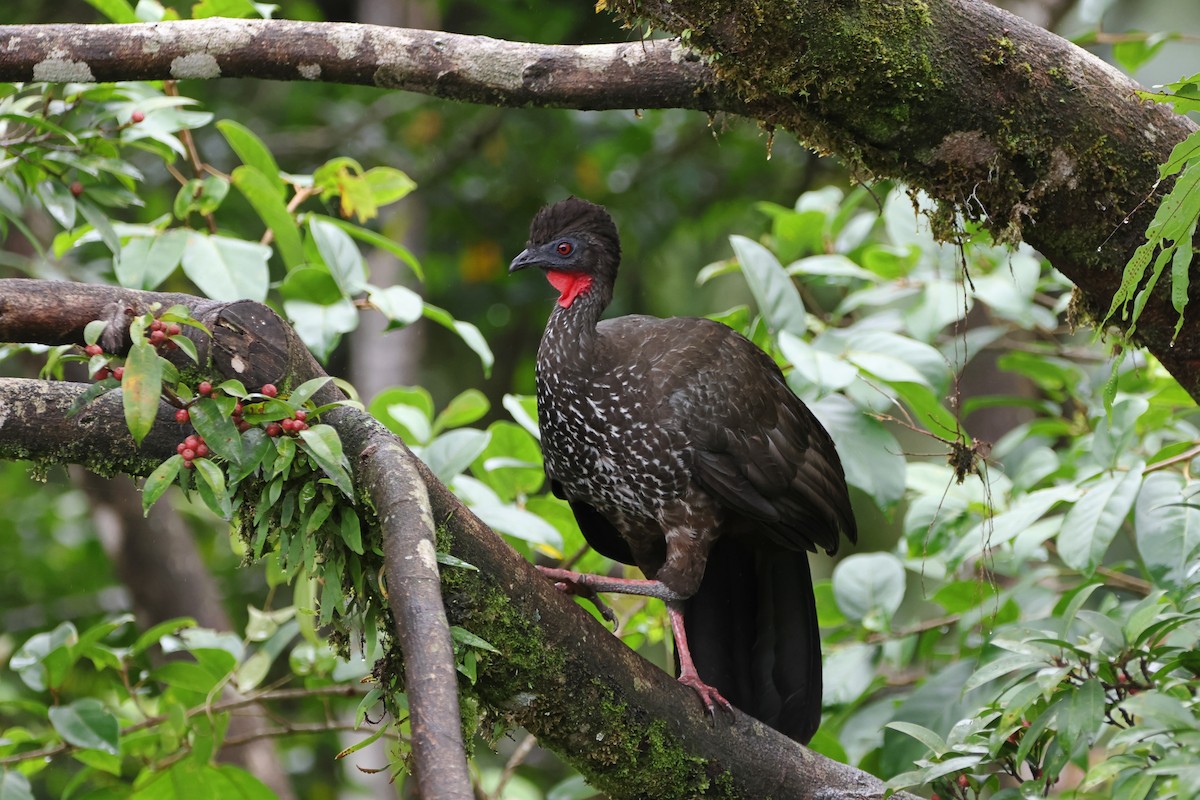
758 448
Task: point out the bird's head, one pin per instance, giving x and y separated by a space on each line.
575 242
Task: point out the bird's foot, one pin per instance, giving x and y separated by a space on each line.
577 584
709 696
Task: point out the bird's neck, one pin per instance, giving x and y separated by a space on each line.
570 336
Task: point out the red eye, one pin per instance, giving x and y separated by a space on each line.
564 248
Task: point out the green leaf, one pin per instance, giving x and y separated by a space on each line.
92 331
212 477
225 268
262 193
827 372
325 448
152 636
231 9
452 452
321 326
936 744
869 587
146 261
377 240
351 529
401 305
14 786
511 462
141 388
45 658
388 184
464 637
1167 525
101 224
870 455
467 332
777 297
465 408
341 255
212 420
87 723
304 392
159 481
407 411
1093 521
253 153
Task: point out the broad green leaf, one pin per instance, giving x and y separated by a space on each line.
1167 524
225 268
936 744
511 463
523 409
313 284
152 636
321 326
101 224
159 481
464 637
231 9
146 261
251 150
823 370
341 255
350 529
377 240
777 297
263 195
45 658
1093 521
325 448
407 411
304 392
388 184
466 407
870 455
452 452
467 332
14 786
869 587
401 305
211 419
141 388
213 478
87 723
118 11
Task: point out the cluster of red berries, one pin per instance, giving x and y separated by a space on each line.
104 372
191 448
292 425
160 332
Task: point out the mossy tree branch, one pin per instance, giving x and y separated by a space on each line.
627 725
997 118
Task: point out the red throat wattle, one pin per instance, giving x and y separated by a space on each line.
569 284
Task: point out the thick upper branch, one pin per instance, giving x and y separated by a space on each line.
474 69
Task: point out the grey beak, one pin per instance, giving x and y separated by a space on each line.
526 258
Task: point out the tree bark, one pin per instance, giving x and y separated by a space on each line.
1000 120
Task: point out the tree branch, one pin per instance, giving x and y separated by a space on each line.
627 725
472 69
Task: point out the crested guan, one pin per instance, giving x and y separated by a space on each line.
682 451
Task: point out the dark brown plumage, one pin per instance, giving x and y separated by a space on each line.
681 449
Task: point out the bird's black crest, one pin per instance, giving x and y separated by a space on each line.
574 216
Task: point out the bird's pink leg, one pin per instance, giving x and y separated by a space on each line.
588 586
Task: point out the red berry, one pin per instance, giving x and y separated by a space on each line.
274 429
300 426
201 450
119 373
964 781
76 188
102 373
205 388
179 448
192 441
156 337
158 325
182 416
188 454
93 349
237 408
243 426
269 390
136 117
173 329
301 414
170 345
187 464
288 425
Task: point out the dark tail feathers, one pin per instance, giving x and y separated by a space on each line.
752 629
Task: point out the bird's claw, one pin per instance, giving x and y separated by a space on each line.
575 584
709 696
